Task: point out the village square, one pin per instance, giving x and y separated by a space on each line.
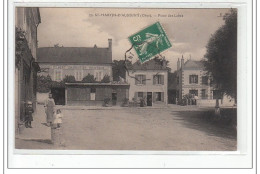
72 96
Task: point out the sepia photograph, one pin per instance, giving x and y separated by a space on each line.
92 78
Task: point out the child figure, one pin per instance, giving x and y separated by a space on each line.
58 118
57 129
28 114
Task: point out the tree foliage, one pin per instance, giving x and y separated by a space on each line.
221 56
69 79
119 69
43 83
89 79
106 79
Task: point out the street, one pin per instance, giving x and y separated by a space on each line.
139 129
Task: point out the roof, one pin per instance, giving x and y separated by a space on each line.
74 55
193 65
149 65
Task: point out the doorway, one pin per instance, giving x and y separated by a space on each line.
114 98
149 99
58 94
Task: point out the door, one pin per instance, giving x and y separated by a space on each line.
149 99
58 94
114 98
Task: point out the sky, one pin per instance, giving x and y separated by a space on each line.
187 29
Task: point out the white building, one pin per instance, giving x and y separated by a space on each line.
148 81
194 81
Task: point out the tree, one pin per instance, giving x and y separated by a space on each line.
69 79
43 83
221 57
89 79
119 69
106 79
161 61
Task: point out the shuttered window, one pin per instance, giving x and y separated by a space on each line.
158 79
194 79
140 79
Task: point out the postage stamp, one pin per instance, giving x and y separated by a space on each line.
150 41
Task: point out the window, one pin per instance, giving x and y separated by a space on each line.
203 94
204 80
78 75
157 96
140 94
99 76
194 92
92 90
193 78
92 93
158 79
57 75
140 79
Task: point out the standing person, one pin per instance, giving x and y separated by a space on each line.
28 114
49 109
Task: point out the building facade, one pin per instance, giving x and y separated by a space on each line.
27 20
59 62
148 82
192 81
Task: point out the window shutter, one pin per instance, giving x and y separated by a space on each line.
154 96
190 79
144 94
144 79
162 96
135 95
154 80
162 79
136 79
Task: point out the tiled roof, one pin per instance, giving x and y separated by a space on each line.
149 65
74 55
193 65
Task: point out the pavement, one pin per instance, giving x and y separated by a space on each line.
40 131
132 128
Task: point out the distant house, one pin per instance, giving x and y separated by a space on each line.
192 80
148 81
59 62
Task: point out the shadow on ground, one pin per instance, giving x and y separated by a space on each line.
223 126
40 141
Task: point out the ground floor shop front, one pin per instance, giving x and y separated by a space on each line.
94 94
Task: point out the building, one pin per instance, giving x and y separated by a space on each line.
59 62
27 20
193 81
148 81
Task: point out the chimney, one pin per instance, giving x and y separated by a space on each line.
178 64
164 62
182 61
110 44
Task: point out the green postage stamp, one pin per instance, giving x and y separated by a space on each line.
150 41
